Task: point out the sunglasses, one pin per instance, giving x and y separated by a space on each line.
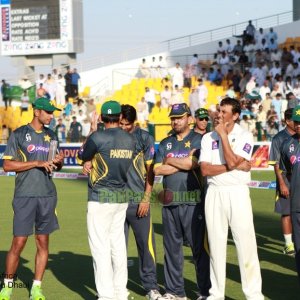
206 119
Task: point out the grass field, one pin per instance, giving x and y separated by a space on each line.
70 274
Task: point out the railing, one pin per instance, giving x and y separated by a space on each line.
183 42
227 31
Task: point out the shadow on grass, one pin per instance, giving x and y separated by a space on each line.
75 271
24 274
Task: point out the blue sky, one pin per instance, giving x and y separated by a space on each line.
116 25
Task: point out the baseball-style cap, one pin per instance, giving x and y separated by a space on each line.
111 107
201 113
296 114
179 110
44 104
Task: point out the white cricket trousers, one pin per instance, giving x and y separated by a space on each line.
231 206
105 223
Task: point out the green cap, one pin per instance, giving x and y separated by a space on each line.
201 113
111 107
296 114
44 104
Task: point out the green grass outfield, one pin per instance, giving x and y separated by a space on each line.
69 274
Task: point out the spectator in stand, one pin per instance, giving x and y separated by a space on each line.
41 92
259 36
90 109
25 102
54 74
272 35
296 90
272 45
260 74
177 76
5 134
244 110
212 75
166 81
236 78
243 60
229 48
271 114
265 89
4 92
68 108
153 68
261 116
286 58
177 96
251 85
75 79
220 49
187 75
224 63
60 92
60 131
150 98
162 67
271 128
266 103
195 66
292 100
276 70
142 111
165 97
25 83
238 48
144 69
75 131
194 101
250 31
202 93
40 80
275 56
249 49
278 103
68 79
81 117
79 106
50 86
230 92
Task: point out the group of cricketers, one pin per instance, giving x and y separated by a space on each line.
205 191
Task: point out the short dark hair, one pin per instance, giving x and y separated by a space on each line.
235 104
113 118
128 112
288 114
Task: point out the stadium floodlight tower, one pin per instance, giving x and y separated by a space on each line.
41 32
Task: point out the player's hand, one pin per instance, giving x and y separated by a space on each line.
47 165
220 127
245 166
87 168
284 191
58 160
143 209
94 122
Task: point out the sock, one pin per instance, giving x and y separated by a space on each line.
8 282
36 282
288 239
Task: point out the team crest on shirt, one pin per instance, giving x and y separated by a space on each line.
169 146
291 148
187 144
47 138
247 148
215 145
28 137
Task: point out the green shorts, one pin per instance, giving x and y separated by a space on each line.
35 212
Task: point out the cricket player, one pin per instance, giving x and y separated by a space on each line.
35 195
228 202
183 211
290 165
138 216
109 155
283 202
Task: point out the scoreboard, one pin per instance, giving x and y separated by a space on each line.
31 27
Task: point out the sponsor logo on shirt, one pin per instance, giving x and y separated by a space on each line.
247 148
37 148
215 145
294 159
180 155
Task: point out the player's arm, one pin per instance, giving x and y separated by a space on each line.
185 163
160 169
284 190
207 169
20 166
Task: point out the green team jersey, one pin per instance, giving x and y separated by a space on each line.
26 144
187 186
144 156
112 152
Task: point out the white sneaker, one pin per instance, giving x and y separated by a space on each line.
168 296
153 295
